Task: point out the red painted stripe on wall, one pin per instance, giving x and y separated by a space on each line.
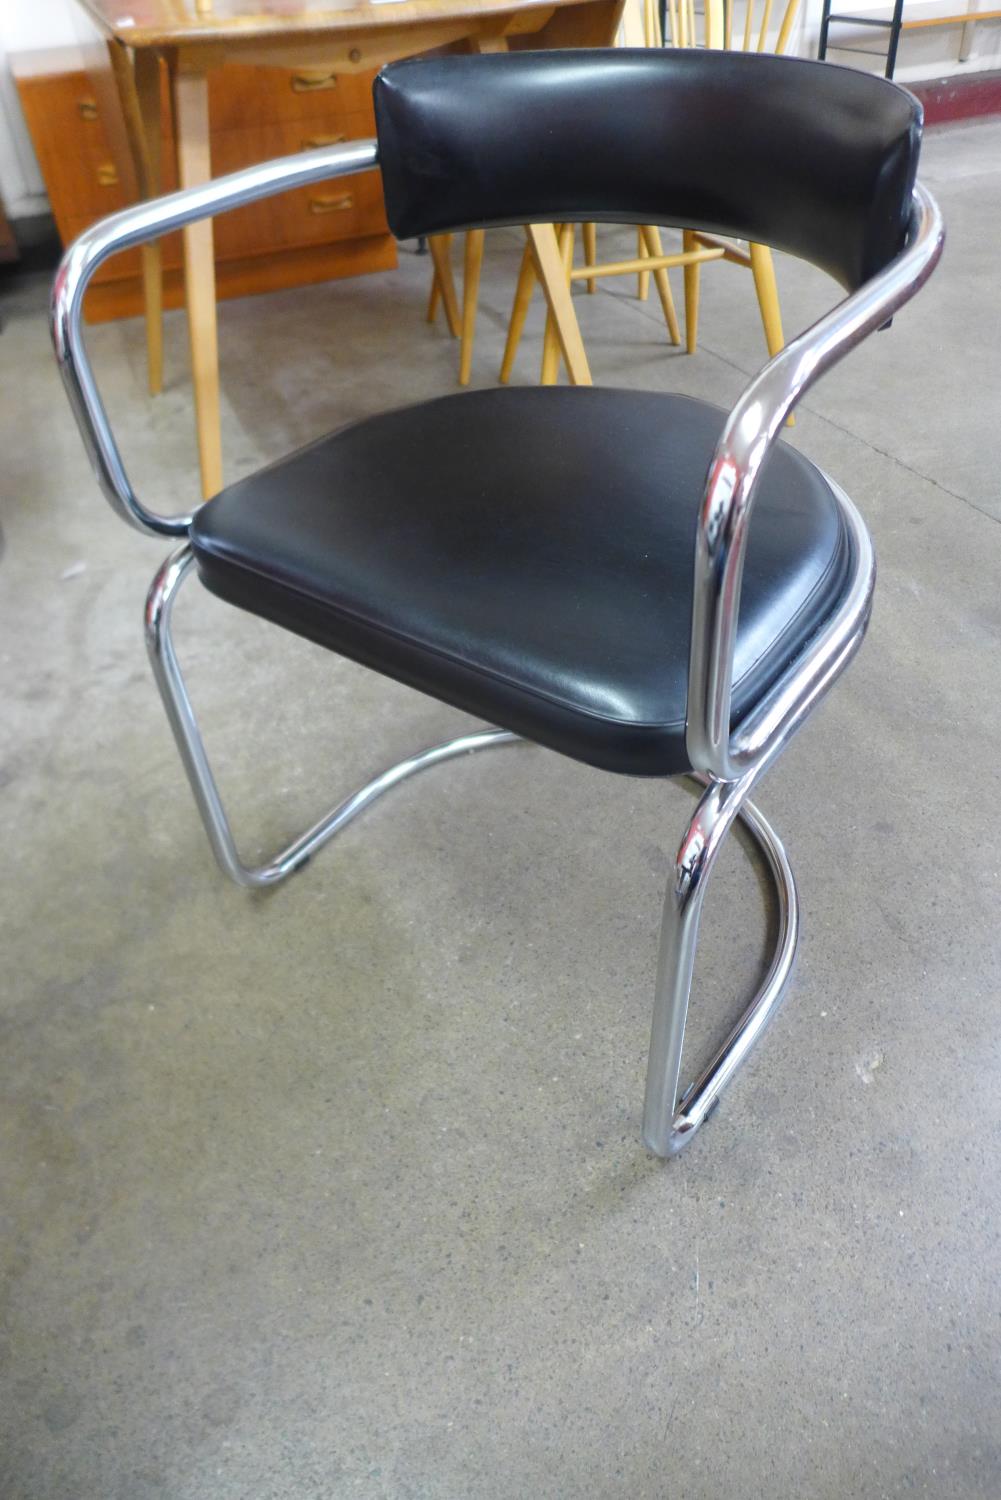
971 98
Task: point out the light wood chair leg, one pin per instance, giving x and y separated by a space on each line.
550 370
643 278
692 278
655 247
194 167
473 262
565 236
590 235
551 271
763 271
567 246
519 312
440 248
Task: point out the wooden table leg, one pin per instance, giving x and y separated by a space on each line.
136 75
191 112
147 78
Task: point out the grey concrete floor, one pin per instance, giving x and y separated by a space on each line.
339 1192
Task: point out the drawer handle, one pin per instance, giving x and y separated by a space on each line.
311 83
87 109
330 205
107 174
314 141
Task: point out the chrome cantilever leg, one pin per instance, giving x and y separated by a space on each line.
160 645
668 1125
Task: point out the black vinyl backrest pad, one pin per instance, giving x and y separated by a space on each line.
809 157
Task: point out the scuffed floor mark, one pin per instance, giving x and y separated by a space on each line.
869 1064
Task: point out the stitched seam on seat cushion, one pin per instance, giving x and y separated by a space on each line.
821 581
463 662
671 726
667 725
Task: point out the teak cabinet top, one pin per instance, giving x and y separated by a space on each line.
166 23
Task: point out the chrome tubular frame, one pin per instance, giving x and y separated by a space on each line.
667 1126
725 512
670 1123
726 759
731 760
137 226
160 645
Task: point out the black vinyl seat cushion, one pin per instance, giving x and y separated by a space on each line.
527 555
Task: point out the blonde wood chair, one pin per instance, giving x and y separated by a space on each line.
728 24
753 36
461 320
544 250
561 324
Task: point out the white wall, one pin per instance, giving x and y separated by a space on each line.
932 52
26 25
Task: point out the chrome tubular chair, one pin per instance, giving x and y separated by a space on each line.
638 581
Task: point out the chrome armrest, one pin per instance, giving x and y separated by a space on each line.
725 511
135 226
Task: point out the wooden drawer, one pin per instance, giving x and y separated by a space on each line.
335 229
344 208
71 145
242 96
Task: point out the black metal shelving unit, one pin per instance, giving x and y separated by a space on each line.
894 26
